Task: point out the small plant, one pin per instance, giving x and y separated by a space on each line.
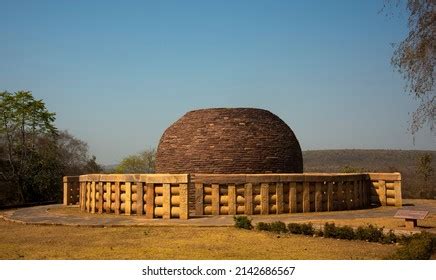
263 226
389 238
369 233
307 229
278 227
319 233
294 228
330 230
242 222
345 232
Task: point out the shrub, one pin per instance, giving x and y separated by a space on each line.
307 229
278 227
345 232
330 230
242 222
389 238
319 232
369 233
417 247
263 226
294 228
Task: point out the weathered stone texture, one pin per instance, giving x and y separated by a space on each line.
238 140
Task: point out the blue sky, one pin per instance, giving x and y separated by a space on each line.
117 73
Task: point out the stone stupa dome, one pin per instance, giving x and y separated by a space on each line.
230 141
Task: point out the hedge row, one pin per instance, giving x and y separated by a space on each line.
416 246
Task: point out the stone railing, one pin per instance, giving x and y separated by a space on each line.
71 190
385 189
152 195
278 193
183 195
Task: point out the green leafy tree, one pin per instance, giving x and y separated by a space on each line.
415 59
142 162
28 134
33 154
425 170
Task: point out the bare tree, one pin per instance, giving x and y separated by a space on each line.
415 59
425 170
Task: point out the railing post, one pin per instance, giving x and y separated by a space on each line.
149 205
248 193
264 198
215 199
279 198
231 198
306 197
318 197
184 208
293 197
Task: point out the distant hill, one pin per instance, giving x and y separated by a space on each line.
403 161
107 168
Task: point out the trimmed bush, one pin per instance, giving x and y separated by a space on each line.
307 229
369 233
389 238
242 222
294 228
345 232
330 230
278 227
319 232
263 226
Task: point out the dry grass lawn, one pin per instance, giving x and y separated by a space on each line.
19 241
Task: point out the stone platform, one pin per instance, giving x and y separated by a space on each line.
71 216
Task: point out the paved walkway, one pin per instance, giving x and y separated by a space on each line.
71 216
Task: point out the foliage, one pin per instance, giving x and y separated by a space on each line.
415 59
417 247
345 232
307 229
242 222
390 238
330 230
142 162
278 227
342 232
351 169
34 155
425 170
294 228
74 156
263 226
369 233
414 247
28 133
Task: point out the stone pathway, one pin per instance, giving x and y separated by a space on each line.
55 215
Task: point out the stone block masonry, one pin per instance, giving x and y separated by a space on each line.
181 196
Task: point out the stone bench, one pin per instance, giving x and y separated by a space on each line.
411 216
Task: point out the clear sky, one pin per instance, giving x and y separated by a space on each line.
117 73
